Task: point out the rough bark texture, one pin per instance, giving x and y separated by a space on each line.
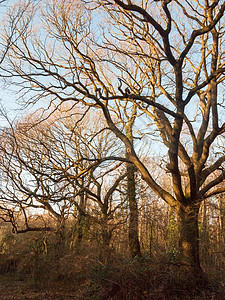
134 245
81 218
187 217
190 273
106 237
106 234
60 237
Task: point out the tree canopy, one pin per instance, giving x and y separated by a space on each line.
153 70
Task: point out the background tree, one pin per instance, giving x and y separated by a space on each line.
55 165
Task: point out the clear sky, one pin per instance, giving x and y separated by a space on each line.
7 95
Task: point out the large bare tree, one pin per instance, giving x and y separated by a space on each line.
166 57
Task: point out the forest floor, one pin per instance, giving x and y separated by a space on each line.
20 290
84 278
10 290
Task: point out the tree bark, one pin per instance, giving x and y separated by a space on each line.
60 237
134 245
106 238
81 218
106 233
187 217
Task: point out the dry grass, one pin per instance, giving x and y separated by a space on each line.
32 268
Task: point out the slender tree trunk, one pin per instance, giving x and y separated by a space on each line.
81 218
60 237
150 237
187 217
80 230
134 245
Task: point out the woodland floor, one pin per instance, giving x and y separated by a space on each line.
87 278
20 290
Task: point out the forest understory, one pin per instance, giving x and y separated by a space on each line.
38 265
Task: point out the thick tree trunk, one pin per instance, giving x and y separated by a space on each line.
190 273
187 217
106 238
134 245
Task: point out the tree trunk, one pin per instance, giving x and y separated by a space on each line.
134 245
81 218
60 237
187 217
204 236
190 273
106 238
171 232
106 233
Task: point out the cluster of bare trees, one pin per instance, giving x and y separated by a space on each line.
61 165
151 72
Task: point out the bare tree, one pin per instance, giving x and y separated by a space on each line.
167 57
55 165
27 182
